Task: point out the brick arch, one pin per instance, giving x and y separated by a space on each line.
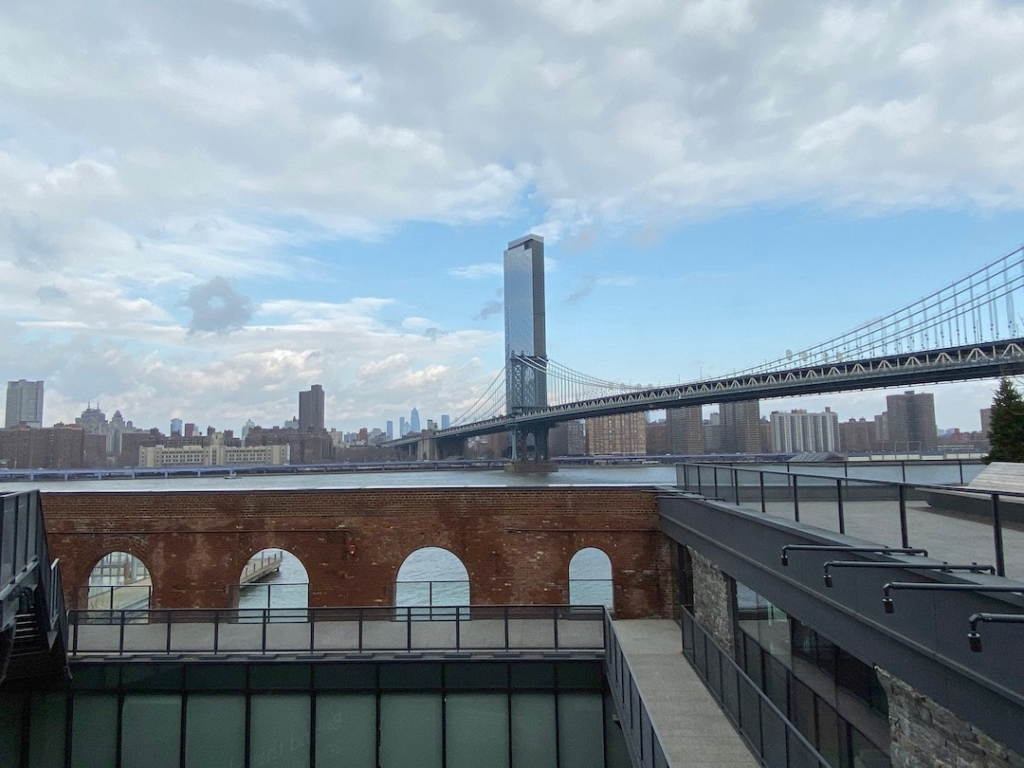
76 564
611 572
443 549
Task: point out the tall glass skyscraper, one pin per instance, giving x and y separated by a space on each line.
414 421
526 353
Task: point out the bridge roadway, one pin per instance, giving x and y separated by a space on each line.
961 363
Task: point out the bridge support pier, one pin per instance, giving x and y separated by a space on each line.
529 447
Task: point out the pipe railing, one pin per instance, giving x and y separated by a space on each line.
396 629
789 494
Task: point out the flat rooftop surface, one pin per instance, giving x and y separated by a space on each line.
693 730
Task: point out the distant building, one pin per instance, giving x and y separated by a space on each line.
215 455
623 434
741 427
414 421
911 419
389 429
857 436
446 421
305 447
249 424
986 421
657 439
62 446
685 430
24 404
311 409
403 426
799 431
567 439
176 428
713 433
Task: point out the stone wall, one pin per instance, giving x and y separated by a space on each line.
712 598
516 544
927 735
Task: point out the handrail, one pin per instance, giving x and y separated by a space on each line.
792 749
348 630
728 489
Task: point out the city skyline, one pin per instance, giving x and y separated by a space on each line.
325 198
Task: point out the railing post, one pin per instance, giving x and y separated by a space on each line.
408 627
904 535
760 477
216 629
505 613
120 641
997 534
700 483
796 500
736 486
266 618
839 500
714 474
359 619
554 616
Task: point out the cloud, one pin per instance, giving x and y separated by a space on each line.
217 307
477 271
587 284
490 308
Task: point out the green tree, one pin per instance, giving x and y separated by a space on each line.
1006 434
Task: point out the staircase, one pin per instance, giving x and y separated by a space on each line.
33 620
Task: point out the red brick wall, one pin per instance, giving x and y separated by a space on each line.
515 543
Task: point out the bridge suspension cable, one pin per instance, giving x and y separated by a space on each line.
489 405
976 309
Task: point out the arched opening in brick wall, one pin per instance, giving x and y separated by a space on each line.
119 581
432 576
590 579
273 578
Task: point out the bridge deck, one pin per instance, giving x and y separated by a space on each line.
693 730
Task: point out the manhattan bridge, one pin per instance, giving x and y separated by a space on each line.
967 330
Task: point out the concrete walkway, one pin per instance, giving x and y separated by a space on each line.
694 731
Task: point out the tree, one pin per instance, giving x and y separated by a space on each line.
1006 434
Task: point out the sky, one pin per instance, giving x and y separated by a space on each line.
206 207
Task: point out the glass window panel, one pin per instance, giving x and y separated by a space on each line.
151 730
864 752
580 730
533 675
46 732
11 708
346 730
802 710
476 675
534 738
616 755
279 676
477 730
214 731
776 678
828 731
94 731
279 730
580 675
410 730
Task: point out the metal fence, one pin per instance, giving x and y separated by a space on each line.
952 522
766 730
413 629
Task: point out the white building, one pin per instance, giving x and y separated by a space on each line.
799 431
216 455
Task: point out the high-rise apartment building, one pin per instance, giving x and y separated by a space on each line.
686 430
311 409
24 404
389 429
911 418
446 421
799 431
741 427
567 439
414 421
403 426
177 424
623 434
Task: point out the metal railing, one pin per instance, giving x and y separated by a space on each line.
195 631
642 738
827 501
774 740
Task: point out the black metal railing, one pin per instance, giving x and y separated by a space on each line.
642 738
774 740
827 501
404 629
